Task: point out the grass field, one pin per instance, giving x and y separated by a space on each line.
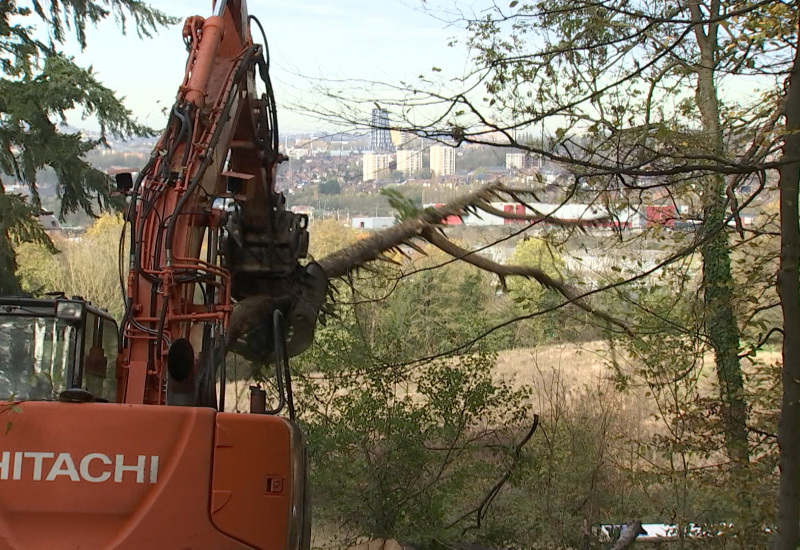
567 368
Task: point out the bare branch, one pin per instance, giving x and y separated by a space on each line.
483 507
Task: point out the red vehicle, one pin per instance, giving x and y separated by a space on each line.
120 439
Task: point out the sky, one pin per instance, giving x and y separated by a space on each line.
384 40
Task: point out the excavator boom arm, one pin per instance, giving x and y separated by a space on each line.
210 183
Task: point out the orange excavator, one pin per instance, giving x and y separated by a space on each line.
119 438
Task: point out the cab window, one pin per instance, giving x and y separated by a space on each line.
36 354
100 346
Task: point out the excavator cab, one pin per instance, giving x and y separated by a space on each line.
56 348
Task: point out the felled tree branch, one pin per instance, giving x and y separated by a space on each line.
348 259
532 272
253 311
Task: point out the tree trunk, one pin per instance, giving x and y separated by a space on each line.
9 284
788 290
723 330
8 281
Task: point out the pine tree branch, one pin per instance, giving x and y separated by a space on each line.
250 312
353 257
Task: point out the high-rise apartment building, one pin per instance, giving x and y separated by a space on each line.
380 138
405 140
443 160
375 165
522 161
515 161
409 161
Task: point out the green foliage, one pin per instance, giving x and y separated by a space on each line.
432 310
401 453
529 296
39 86
18 224
330 187
389 316
405 207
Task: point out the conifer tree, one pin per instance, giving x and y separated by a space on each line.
38 86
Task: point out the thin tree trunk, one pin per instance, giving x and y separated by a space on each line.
720 320
8 282
723 330
8 265
788 290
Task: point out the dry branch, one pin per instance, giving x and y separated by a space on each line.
483 507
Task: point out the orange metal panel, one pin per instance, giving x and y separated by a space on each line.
95 476
253 480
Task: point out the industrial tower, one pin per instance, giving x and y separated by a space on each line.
380 137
